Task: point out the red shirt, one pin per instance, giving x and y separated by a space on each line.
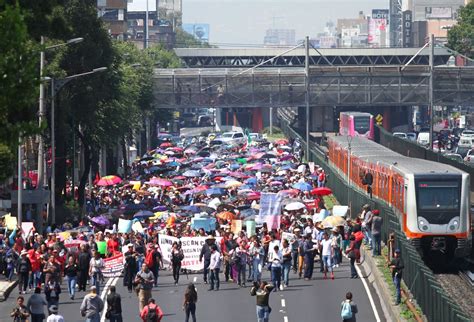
151 306
112 246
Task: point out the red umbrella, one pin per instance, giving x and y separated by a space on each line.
109 181
282 141
166 145
226 215
322 191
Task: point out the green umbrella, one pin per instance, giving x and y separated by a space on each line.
242 160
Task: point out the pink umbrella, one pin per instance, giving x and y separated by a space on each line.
160 182
276 183
109 181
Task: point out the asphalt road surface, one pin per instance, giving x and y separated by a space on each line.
314 300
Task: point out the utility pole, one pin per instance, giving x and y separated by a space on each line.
145 27
20 182
306 65
431 109
41 182
53 155
271 114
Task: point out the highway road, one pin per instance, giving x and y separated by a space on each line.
314 300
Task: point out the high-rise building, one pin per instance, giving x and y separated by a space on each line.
353 32
114 14
280 37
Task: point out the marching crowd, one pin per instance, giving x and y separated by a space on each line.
164 190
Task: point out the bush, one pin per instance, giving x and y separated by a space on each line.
6 162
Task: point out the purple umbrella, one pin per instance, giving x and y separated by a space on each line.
100 221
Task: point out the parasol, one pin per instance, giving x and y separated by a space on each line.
109 181
333 221
322 191
226 215
295 206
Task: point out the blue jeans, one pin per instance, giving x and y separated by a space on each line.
94 318
286 272
95 281
327 263
71 285
397 281
117 317
257 270
368 236
376 244
263 313
35 279
276 277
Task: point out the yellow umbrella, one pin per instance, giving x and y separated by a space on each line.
233 184
333 221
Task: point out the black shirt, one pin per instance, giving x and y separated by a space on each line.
71 270
398 263
114 302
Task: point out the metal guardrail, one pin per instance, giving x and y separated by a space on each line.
428 293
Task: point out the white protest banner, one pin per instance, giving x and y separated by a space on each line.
124 226
287 236
270 209
113 266
166 243
27 229
137 227
311 167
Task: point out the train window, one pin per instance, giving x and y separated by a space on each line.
438 195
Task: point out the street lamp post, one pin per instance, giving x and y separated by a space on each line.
41 181
56 85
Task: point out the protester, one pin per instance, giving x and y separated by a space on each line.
348 309
206 255
397 266
177 257
262 293
145 281
91 306
214 267
286 262
83 267
20 312
96 266
35 306
327 253
275 259
53 315
70 271
376 228
190 300
114 306
130 267
151 312
23 268
352 253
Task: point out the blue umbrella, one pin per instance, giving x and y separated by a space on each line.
215 192
194 209
303 186
191 173
160 208
134 207
100 221
143 214
251 181
234 166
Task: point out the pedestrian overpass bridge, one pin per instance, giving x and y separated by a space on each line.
330 85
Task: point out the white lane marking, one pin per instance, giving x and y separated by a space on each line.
110 282
195 279
283 304
371 300
285 319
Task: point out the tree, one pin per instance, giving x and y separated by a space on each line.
186 40
461 36
19 84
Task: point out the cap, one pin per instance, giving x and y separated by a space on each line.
93 288
23 252
376 212
130 245
296 229
397 250
210 237
53 309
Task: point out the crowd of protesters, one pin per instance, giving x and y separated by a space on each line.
164 189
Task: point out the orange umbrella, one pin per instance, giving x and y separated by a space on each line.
226 215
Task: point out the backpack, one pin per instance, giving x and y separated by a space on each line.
149 259
151 316
346 312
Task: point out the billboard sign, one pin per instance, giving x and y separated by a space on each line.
438 12
200 31
407 23
380 14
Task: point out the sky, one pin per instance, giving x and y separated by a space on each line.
245 21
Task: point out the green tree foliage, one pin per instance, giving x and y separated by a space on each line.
19 83
461 36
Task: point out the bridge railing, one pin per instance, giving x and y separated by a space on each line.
422 283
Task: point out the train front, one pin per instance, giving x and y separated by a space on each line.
441 205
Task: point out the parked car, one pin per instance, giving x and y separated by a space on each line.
469 158
423 139
411 136
400 135
462 151
256 137
454 156
467 133
233 138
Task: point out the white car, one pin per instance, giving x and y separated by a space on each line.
467 134
400 135
411 136
233 138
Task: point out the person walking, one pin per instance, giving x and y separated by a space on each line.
20 311
70 271
286 263
241 256
215 267
275 258
145 281
177 257
23 268
257 252
262 294
308 251
130 267
92 305
397 266
206 255
154 261
35 306
348 309
83 262
54 316
114 306
377 222
326 252
352 252
96 266
190 300
151 312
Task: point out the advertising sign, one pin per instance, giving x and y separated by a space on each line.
438 13
407 19
113 266
199 30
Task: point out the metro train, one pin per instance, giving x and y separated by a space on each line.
431 200
356 124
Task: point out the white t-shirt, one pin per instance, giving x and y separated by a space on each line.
55 318
326 247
